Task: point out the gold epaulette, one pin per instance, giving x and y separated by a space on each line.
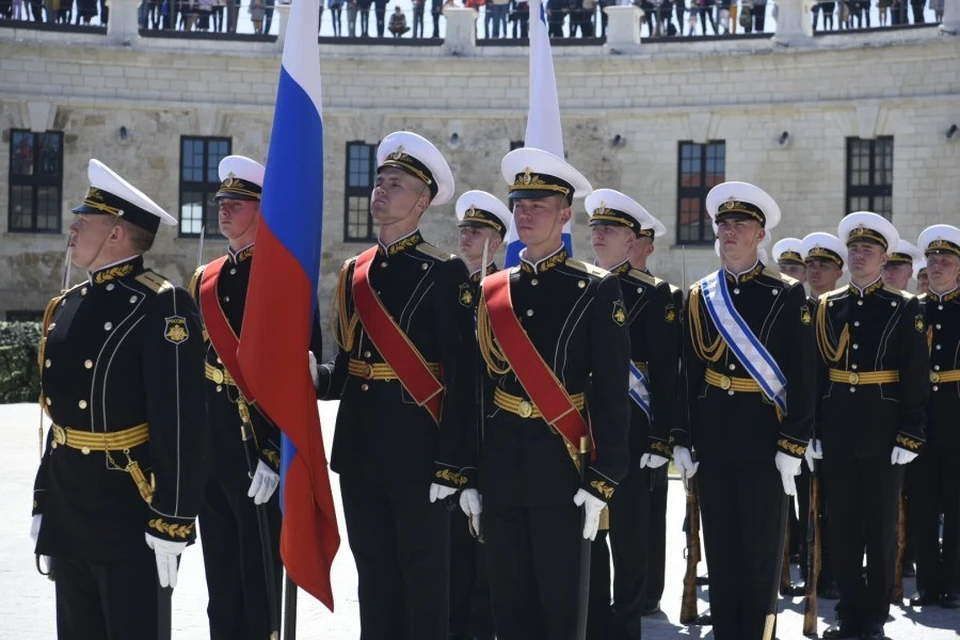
586 267
195 282
493 355
344 326
154 281
433 252
782 277
645 278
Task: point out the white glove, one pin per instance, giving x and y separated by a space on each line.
472 505
592 506
652 460
901 456
439 491
684 462
814 452
263 484
789 468
167 552
313 370
35 527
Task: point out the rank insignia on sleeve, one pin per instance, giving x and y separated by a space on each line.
176 329
805 315
670 314
919 324
466 295
619 313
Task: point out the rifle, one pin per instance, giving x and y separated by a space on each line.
901 544
688 604
246 434
813 558
583 589
785 582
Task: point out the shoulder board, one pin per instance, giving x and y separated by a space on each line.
673 289
906 295
154 281
591 269
72 289
834 293
922 297
433 252
776 275
645 278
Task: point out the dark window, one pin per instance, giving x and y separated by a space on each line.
700 167
361 169
24 315
199 181
36 181
870 176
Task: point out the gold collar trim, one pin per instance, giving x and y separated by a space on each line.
555 259
876 285
747 275
403 244
239 256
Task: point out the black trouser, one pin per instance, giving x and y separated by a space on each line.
417 22
743 508
657 547
629 540
598 606
759 17
401 544
470 610
933 487
364 21
917 12
233 559
533 561
107 600
381 20
803 505
862 502
436 25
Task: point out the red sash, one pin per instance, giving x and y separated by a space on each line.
537 379
224 340
392 343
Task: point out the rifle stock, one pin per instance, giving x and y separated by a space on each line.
901 544
813 558
785 582
688 605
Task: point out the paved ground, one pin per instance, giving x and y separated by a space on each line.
27 599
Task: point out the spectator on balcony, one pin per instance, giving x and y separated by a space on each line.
380 10
680 7
336 9
865 13
519 18
233 15
363 8
828 8
398 22
499 8
705 12
351 18
418 9
436 9
937 7
487 15
86 10
268 15
216 12
723 16
204 9
17 10
759 15
917 6
556 14
258 11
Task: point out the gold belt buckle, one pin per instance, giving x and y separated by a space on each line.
524 409
218 376
367 371
725 382
854 377
934 377
59 435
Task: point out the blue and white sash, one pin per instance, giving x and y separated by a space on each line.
640 390
745 345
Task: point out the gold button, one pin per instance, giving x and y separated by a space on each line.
639 289
219 388
582 283
133 299
82 404
217 376
110 287
48 401
853 366
733 367
524 409
730 392
725 382
936 367
107 326
854 378
937 347
219 361
937 327
736 291
424 266
534 282
936 388
859 303
853 389
226 298
88 364
856 346
383 265
366 354
47 363
364 387
83 291
233 272
529 312
940 307
85 451
893 304
830 304
856 323
774 291
934 377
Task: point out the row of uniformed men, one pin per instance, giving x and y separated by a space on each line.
562 344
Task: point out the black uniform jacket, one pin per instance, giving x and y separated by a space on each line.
862 331
743 425
381 431
943 336
122 350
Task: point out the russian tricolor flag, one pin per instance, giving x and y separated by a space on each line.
543 118
281 302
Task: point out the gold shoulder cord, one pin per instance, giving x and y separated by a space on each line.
708 353
194 281
344 327
493 355
41 351
831 353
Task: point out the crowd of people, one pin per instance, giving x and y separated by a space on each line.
497 19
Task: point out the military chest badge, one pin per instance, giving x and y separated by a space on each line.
466 295
619 313
805 315
919 324
176 329
670 314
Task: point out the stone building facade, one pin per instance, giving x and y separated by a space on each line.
813 120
